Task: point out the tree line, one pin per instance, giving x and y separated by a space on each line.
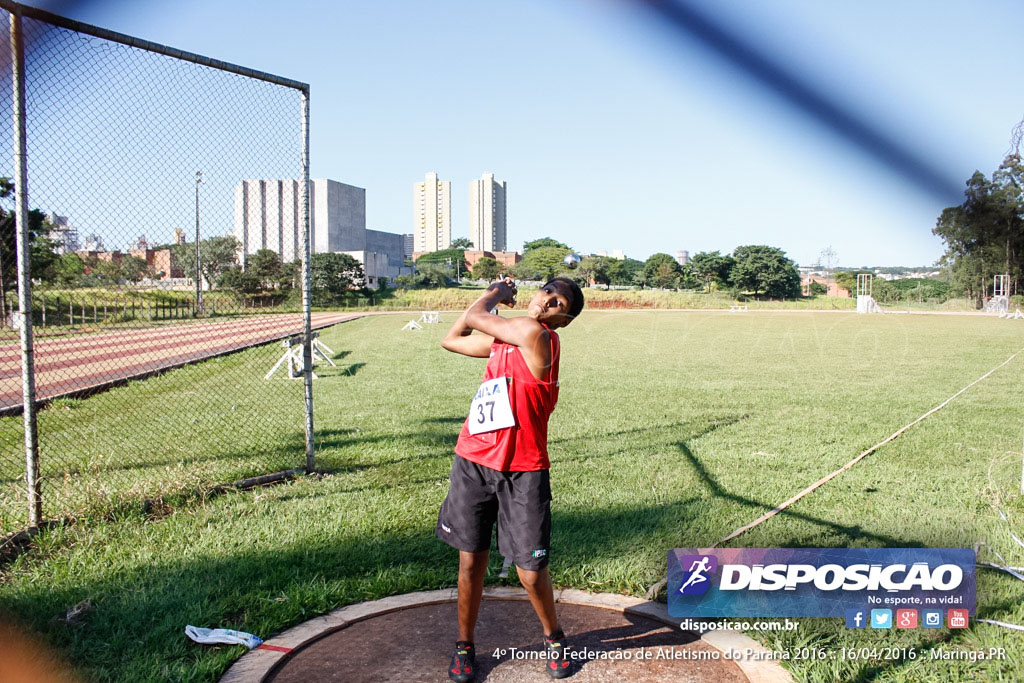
334 277
753 269
984 235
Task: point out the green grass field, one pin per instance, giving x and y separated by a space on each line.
672 430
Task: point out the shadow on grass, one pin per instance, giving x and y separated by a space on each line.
708 426
141 606
454 420
851 532
340 371
289 454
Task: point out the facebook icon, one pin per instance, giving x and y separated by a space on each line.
856 618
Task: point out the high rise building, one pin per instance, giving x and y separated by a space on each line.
432 214
408 245
268 216
64 235
487 213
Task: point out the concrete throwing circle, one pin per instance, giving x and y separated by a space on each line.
411 637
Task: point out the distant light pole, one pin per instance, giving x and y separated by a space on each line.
458 268
199 286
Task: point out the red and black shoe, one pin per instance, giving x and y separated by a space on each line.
558 664
463 666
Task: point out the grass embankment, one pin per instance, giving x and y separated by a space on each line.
672 430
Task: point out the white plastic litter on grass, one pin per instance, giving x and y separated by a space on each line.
222 636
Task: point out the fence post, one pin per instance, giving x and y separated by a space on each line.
307 325
28 378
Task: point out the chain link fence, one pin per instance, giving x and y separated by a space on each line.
149 377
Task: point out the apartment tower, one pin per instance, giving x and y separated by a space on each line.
487 213
432 213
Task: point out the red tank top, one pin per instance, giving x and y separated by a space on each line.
523 447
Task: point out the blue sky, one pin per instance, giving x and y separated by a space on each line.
614 131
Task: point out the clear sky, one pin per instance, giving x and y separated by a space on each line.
615 129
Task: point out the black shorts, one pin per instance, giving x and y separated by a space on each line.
519 501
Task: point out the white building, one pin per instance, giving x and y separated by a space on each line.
432 214
612 253
487 230
682 257
268 216
64 234
93 242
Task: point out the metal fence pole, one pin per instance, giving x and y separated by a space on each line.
24 314
307 323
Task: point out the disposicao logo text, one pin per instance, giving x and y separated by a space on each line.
816 581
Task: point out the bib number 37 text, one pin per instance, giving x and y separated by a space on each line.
491 408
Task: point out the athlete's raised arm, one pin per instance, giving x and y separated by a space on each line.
460 339
523 331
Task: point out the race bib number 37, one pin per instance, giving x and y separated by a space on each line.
491 408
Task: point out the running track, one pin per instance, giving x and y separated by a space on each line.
80 364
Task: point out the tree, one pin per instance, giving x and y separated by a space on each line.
817 289
290 276
595 269
765 270
435 274
625 272
102 271
410 281
984 235
265 266
544 242
486 269
42 252
709 266
218 254
847 279
687 279
661 270
68 269
541 263
456 258
132 269
331 275
461 243
238 280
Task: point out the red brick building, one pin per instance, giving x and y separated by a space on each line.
833 288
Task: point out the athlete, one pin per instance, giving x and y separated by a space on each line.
500 472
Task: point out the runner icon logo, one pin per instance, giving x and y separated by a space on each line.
696 582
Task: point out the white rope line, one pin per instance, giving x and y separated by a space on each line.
1015 627
653 590
782 506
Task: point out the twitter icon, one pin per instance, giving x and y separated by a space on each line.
881 618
